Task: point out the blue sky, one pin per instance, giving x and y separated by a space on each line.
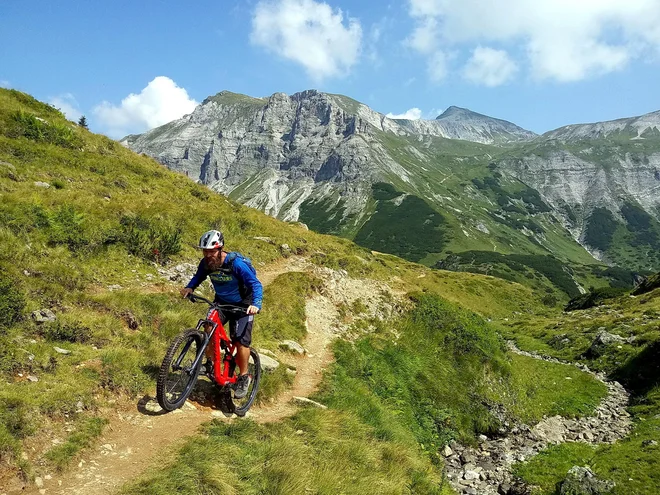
540 64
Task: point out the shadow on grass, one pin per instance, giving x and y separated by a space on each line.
641 373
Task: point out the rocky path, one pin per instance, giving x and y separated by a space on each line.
140 435
486 470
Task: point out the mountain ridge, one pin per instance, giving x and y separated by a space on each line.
640 123
316 157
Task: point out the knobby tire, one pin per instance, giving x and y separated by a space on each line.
241 406
169 378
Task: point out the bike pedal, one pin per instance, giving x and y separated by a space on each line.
207 369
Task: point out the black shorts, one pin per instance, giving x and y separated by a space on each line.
240 327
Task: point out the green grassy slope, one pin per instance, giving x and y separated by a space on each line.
633 462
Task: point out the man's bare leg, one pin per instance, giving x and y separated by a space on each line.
242 357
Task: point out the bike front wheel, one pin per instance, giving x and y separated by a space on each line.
241 406
177 375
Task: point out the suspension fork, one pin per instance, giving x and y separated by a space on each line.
210 336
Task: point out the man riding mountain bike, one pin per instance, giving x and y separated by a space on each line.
235 282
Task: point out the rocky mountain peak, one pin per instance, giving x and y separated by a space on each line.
454 112
307 94
462 123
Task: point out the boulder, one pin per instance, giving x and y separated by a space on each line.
266 352
292 346
602 340
582 481
647 284
518 488
43 315
268 364
131 320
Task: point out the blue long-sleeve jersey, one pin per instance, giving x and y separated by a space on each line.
238 285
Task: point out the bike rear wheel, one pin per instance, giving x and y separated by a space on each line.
177 376
241 406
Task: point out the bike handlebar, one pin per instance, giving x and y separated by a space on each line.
197 298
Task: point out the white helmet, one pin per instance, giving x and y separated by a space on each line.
213 239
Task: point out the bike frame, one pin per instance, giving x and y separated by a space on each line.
216 336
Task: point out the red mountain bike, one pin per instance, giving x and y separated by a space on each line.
183 362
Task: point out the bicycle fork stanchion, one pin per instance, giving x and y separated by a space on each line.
177 364
202 325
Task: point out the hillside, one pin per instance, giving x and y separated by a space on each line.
620 337
95 242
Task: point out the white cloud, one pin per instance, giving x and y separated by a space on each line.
373 40
4 84
438 66
412 114
564 40
309 33
162 101
424 38
68 105
489 67
424 8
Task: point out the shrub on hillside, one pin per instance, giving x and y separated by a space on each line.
66 331
150 239
24 124
12 302
485 262
67 226
431 380
15 415
617 276
383 191
411 230
461 332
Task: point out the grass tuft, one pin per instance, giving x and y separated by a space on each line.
62 455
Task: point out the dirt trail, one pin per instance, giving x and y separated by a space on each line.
136 438
321 316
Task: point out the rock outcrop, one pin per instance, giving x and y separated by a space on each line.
280 150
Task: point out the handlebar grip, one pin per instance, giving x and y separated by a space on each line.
196 298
